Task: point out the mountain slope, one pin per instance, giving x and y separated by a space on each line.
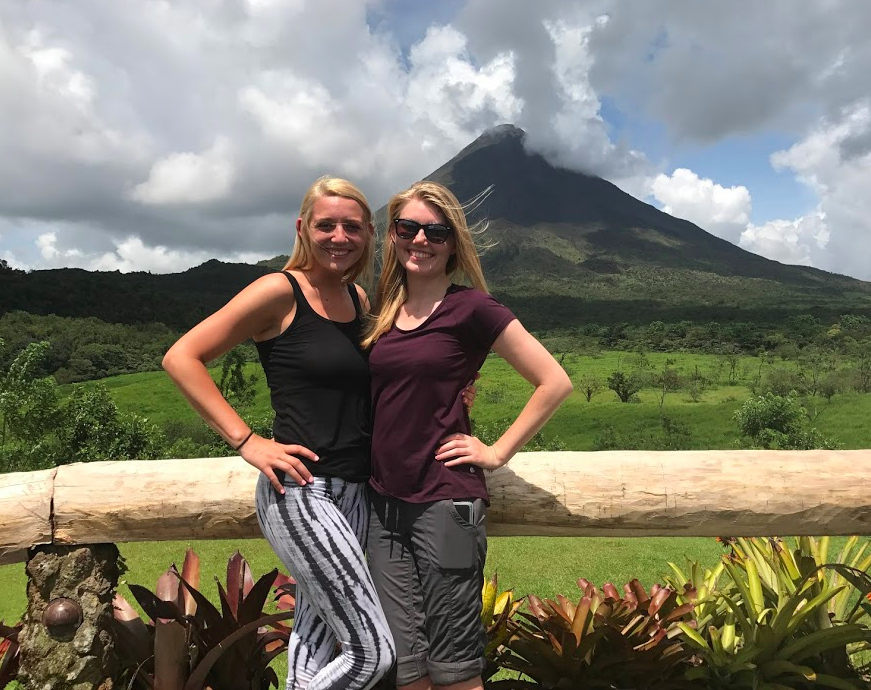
595 250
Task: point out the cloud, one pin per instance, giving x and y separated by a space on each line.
834 161
131 254
790 242
709 71
181 178
722 211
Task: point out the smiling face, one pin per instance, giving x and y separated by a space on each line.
337 233
419 256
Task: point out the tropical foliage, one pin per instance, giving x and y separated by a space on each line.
187 642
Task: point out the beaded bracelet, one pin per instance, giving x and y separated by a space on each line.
244 441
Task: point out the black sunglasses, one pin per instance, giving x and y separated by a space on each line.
437 233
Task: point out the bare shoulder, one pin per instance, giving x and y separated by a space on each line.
260 304
364 298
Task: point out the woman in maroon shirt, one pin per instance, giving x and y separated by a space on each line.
427 542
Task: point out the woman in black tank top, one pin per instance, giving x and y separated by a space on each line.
311 495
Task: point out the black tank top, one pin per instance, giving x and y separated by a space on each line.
318 376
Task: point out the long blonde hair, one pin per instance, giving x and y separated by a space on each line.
392 291
302 256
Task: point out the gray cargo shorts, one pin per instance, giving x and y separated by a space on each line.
427 563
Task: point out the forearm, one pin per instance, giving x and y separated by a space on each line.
539 408
196 384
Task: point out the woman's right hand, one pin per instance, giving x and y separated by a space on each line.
268 456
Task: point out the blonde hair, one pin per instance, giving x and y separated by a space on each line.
302 257
392 290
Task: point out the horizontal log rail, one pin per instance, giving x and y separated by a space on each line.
610 493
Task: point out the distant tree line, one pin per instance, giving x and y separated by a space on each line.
785 339
85 349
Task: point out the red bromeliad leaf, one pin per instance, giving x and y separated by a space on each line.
131 633
251 607
122 610
639 591
190 573
154 607
285 589
660 596
610 591
239 581
10 632
167 586
537 607
171 661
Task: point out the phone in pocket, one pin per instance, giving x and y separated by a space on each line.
466 510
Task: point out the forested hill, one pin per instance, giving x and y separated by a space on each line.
177 300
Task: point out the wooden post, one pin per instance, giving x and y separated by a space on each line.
66 643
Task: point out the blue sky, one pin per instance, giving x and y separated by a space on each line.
155 136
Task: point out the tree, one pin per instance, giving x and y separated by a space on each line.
28 401
779 422
238 389
94 429
29 413
732 357
666 381
624 386
861 355
696 385
589 385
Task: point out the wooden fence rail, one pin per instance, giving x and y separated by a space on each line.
613 493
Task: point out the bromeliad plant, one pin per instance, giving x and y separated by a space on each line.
497 610
770 617
604 641
188 644
8 652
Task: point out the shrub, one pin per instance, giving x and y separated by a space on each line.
779 422
624 386
604 641
770 617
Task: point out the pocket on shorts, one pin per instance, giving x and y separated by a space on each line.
455 541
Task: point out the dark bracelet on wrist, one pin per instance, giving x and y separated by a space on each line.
245 440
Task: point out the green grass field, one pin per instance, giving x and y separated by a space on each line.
502 394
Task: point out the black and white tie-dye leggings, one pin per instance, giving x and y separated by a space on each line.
319 532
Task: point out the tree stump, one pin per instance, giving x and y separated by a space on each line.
66 642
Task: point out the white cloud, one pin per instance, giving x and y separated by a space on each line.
790 242
722 211
181 178
834 160
132 254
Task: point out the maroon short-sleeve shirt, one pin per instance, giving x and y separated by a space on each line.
417 381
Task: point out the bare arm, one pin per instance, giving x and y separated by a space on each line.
256 310
534 363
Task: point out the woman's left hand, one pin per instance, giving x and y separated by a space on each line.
462 449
